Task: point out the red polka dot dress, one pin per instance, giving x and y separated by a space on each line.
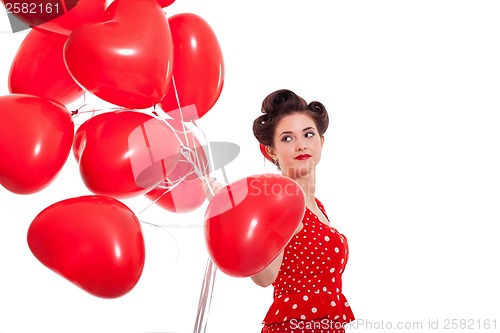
308 289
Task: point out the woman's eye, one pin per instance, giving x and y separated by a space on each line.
286 139
309 134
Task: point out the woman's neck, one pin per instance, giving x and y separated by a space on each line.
308 184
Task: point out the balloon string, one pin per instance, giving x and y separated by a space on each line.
175 131
209 148
197 169
187 152
167 189
206 292
79 111
171 236
178 104
205 298
184 150
209 159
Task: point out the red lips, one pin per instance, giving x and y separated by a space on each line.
302 157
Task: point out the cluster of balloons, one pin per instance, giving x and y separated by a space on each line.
132 55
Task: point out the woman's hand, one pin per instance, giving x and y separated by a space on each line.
211 188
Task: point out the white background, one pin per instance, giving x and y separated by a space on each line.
410 171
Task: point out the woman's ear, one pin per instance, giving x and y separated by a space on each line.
322 140
270 152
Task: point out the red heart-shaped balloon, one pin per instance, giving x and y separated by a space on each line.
95 242
78 12
35 140
127 58
124 153
165 3
198 71
249 222
38 68
38 12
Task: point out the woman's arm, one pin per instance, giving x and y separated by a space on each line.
266 276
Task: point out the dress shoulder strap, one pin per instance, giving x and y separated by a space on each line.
321 207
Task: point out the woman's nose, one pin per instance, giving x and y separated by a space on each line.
300 145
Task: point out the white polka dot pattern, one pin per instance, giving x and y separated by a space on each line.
309 283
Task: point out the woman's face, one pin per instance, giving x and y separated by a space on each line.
297 145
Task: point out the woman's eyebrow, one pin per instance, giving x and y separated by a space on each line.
305 129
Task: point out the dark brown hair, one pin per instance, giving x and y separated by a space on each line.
281 103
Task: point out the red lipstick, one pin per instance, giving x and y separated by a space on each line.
302 157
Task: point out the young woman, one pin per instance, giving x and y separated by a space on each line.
307 274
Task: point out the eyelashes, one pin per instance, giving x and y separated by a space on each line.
288 138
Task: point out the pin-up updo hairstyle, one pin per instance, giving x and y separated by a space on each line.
281 103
